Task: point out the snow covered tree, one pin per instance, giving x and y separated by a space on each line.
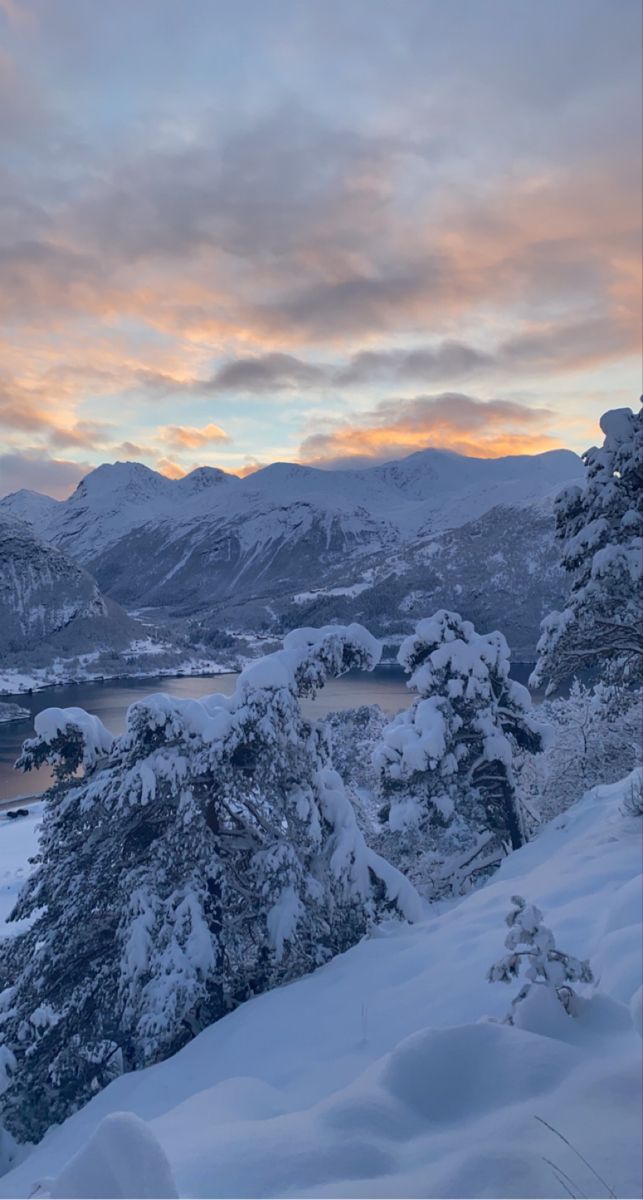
210 853
595 738
532 945
447 760
354 733
600 528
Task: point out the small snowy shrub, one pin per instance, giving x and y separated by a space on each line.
208 854
532 946
446 763
600 528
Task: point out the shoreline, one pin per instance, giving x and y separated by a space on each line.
76 681
163 673
20 801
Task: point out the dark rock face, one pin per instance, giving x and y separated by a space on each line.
49 604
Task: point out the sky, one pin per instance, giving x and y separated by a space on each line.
332 232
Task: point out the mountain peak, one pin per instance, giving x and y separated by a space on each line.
34 508
133 478
202 478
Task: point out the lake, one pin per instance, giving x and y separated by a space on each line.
110 700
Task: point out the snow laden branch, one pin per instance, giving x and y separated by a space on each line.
600 530
208 854
446 762
67 739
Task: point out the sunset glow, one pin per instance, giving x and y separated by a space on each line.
211 255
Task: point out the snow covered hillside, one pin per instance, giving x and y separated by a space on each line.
44 594
52 613
500 569
379 1076
31 507
244 549
18 843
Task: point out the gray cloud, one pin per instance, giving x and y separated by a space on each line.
294 226
36 470
570 345
458 411
449 360
547 348
300 229
268 372
91 435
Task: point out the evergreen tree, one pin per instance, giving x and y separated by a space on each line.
532 945
600 528
206 855
446 762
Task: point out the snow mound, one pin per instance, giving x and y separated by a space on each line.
448 1075
387 1072
122 1158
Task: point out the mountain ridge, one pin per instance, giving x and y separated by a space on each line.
243 549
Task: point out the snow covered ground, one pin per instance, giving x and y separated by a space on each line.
18 842
379 1075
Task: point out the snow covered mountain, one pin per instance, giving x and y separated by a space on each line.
49 605
31 507
500 570
244 550
281 504
117 498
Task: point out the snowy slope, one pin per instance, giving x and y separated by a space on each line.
42 591
18 843
31 507
106 504
376 1075
500 570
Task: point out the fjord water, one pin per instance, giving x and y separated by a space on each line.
110 700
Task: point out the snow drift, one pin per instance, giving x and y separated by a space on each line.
379 1075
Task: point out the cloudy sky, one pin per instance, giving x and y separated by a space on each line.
321 231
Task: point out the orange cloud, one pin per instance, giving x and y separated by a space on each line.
169 468
247 469
449 421
188 437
